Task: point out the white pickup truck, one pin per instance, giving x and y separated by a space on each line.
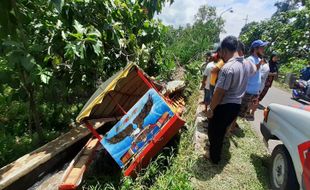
290 165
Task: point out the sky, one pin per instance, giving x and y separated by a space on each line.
182 12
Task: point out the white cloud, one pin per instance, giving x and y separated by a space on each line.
182 12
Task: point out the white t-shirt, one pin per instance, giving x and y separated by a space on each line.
207 73
264 71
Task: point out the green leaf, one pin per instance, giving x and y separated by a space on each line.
97 47
132 37
94 33
63 35
58 4
45 76
56 60
78 27
147 24
77 35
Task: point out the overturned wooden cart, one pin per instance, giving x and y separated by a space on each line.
147 120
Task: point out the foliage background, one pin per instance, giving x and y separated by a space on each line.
287 31
54 54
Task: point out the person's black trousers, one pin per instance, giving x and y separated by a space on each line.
223 116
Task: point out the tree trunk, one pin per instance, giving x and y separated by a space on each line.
34 114
30 123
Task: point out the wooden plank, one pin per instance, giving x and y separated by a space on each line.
24 165
75 171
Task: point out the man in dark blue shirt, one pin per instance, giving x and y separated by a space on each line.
305 73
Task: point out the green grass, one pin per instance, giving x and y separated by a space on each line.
243 166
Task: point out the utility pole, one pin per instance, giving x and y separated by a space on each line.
246 19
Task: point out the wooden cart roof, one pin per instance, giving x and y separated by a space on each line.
124 88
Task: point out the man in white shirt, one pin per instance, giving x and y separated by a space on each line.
206 83
264 75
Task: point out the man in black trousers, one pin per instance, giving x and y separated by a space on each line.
229 90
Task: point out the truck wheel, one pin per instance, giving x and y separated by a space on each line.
282 172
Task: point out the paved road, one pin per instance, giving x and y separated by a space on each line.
274 95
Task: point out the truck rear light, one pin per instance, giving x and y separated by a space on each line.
266 113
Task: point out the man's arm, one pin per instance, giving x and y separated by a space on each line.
257 66
223 85
273 74
215 70
205 76
203 82
261 62
217 97
216 100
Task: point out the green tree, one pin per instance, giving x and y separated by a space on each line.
54 53
187 42
288 33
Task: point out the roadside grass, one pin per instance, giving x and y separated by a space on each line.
243 166
178 166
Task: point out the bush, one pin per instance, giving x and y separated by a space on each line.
192 77
294 65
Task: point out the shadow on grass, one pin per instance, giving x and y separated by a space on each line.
204 170
239 133
261 165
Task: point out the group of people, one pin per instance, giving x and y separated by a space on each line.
233 86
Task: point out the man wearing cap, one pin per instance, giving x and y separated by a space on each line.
250 99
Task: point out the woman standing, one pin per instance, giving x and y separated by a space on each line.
273 74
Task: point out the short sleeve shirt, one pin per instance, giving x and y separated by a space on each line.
273 67
207 73
305 73
264 75
214 76
255 81
233 78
